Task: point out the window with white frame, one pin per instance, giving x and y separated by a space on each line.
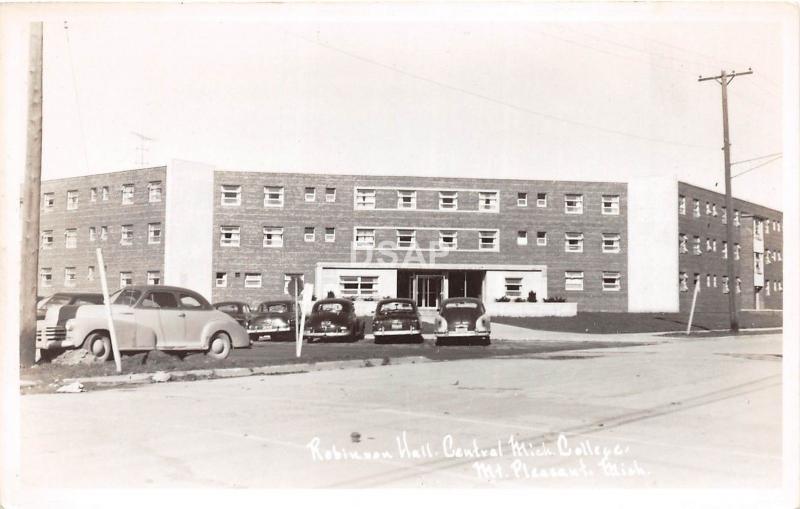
611 242
229 236
127 194
738 285
153 277
46 277
737 251
448 200
708 208
48 201
682 205
365 199
766 287
683 282
126 234
125 279
724 250
310 194
541 199
154 191
448 239
221 279
611 281
522 199
93 194
610 204
358 286
541 238
90 273
724 215
736 218
252 280
522 238
47 239
708 245
487 240
104 233
406 238
92 234
104 193
714 209
714 279
273 236
725 285
779 256
768 257
231 195
708 280
573 242
309 234
513 287
330 234
71 238
365 237
779 229
714 245
696 208
72 200
69 276
573 204
766 226
696 246
573 281
696 280
683 243
488 201
758 228
273 196
406 199
154 233
330 194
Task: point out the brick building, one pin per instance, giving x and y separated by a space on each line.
242 235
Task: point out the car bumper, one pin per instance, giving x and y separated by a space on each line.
268 330
326 334
395 332
48 344
463 334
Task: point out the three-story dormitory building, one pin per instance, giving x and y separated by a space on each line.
234 235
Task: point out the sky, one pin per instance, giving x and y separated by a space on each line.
535 91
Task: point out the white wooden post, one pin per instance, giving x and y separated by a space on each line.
308 290
106 300
694 301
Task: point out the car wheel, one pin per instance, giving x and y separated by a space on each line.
98 345
219 346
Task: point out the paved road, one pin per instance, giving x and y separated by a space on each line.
694 414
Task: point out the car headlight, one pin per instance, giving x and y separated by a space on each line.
342 328
70 325
482 324
441 324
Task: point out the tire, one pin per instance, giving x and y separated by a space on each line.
219 346
98 344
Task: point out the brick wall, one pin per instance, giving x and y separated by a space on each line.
707 226
138 258
298 256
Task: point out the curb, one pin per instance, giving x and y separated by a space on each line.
280 369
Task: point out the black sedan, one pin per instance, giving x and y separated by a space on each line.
462 319
239 311
273 320
66 299
333 319
396 318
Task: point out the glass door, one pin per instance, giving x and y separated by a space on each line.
428 291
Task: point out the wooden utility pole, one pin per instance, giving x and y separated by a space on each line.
31 191
724 80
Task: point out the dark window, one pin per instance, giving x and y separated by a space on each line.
127 297
163 300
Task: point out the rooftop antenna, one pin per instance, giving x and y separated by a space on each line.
143 140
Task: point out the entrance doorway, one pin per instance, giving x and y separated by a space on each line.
428 290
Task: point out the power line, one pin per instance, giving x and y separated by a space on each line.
77 100
757 166
758 158
492 99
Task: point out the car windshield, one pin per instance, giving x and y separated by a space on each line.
461 305
125 297
330 307
396 307
275 308
228 308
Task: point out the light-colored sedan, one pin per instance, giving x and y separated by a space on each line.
145 318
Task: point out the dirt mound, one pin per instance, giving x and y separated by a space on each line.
76 357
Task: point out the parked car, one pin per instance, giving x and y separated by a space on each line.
396 318
145 318
333 319
272 320
462 318
240 311
64 299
